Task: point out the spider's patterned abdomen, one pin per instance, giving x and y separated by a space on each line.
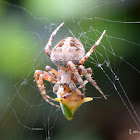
68 49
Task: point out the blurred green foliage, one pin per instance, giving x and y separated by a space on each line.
14 47
54 9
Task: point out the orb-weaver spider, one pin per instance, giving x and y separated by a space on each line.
69 56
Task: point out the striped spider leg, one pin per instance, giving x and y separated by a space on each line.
81 62
47 48
39 76
84 71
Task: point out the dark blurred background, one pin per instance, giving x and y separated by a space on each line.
25 27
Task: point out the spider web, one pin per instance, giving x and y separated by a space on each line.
115 63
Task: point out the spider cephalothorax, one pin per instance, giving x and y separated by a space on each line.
69 56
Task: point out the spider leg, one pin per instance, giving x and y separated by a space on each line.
47 48
39 76
56 87
85 82
89 78
51 70
89 70
81 62
74 70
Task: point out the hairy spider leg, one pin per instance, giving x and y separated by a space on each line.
89 78
89 70
46 76
73 70
51 70
81 62
47 48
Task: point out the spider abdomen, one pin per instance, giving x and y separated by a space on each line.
69 49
